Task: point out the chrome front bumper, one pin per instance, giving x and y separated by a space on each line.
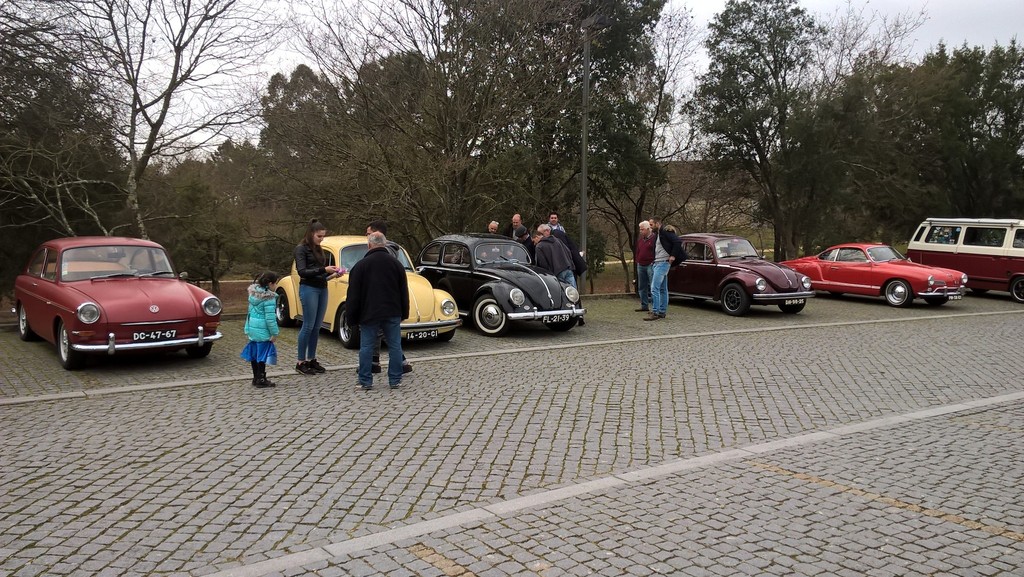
775 297
112 346
535 314
439 326
943 291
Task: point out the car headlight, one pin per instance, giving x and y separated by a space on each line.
806 283
760 284
931 280
572 294
212 306
88 313
448 307
963 280
517 297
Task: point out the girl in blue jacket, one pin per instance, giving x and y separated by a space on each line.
261 328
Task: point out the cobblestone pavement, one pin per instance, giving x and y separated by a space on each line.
850 439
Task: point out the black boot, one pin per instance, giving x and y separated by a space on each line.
263 380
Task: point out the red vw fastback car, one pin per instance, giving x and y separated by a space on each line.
879 270
109 295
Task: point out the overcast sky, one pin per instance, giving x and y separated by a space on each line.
978 22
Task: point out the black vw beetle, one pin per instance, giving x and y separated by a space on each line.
493 282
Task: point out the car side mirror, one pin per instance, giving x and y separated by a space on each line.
183 275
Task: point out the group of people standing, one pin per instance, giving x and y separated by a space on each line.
657 250
377 300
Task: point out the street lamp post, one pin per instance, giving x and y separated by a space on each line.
594 22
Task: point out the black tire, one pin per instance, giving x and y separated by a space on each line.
1017 289
349 336
564 325
936 301
978 291
488 316
199 352
445 337
792 309
836 293
735 301
898 293
70 359
24 332
284 310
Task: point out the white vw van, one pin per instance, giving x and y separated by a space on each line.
989 250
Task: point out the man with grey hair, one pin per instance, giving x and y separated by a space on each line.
492 227
378 300
553 255
643 257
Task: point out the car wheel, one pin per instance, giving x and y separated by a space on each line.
898 293
199 352
70 359
936 301
735 300
24 332
445 337
564 325
349 336
1017 289
488 316
792 309
284 312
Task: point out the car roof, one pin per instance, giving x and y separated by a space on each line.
474 238
709 236
861 245
85 241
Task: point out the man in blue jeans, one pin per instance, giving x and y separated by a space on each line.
668 250
643 256
378 299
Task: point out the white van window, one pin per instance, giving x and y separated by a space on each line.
1018 239
984 236
943 235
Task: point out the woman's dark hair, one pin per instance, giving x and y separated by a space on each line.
314 227
266 279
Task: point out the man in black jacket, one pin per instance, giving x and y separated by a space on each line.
378 299
382 227
668 252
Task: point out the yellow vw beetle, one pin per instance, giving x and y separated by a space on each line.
432 312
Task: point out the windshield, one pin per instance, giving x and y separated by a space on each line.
735 248
501 252
884 254
350 255
113 260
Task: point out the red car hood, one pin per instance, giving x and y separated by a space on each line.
780 277
135 300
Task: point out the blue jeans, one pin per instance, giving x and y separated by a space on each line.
659 287
643 284
314 305
567 276
368 336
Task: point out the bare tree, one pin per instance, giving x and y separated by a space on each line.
172 71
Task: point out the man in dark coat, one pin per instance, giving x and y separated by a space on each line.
552 255
378 299
668 252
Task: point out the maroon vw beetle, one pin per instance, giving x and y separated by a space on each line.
727 269
879 270
110 295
